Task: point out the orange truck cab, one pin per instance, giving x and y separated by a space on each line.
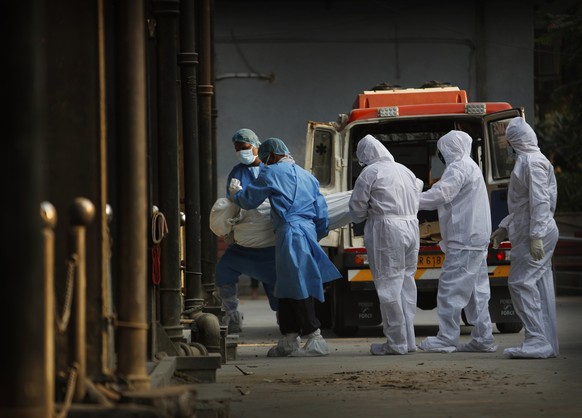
409 122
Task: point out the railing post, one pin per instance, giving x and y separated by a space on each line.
48 215
82 212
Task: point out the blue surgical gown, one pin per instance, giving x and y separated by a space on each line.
299 216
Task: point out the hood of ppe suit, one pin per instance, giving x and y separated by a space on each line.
370 150
521 136
454 145
460 196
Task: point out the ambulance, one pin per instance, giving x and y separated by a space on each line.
409 121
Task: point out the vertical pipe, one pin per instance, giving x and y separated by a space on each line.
49 218
107 361
206 91
23 380
132 192
214 116
82 212
480 52
166 12
188 60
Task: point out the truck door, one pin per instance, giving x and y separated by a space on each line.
324 160
499 163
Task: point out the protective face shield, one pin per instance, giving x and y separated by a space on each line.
441 158
246 156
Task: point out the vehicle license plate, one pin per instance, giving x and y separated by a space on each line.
430 261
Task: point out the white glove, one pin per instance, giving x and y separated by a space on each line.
498 236
419 185
234 187
536 249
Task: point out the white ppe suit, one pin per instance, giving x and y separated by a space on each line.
465 224
531 202
386 196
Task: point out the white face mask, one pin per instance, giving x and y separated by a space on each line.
246 156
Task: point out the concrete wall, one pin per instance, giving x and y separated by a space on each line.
322 54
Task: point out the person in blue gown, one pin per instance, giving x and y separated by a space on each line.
300 219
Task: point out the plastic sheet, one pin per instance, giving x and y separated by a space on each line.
253 228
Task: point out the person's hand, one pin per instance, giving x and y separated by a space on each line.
234 187
498 236
536 249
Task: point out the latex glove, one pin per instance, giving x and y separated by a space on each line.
536 249
234 187
419 185
498 236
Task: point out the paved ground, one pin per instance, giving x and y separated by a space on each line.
350 382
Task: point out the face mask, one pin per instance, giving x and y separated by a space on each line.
441 158
361 164
246 156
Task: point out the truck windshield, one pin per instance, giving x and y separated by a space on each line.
412 143
501 160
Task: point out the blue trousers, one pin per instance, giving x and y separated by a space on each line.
258 263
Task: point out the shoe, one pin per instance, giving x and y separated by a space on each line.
314 346
382 349
519 352
285 346
474 346
233 320
436 345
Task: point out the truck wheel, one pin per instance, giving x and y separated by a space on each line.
338 325
323 311
509 327
342 330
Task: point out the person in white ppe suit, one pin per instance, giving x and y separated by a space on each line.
533 233
460 196
385 195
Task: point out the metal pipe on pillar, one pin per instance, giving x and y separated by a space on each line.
132 208
205 92
24 390
166 13
214 113
188 61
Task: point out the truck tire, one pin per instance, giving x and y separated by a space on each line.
509 327
338 324
342 330
323 311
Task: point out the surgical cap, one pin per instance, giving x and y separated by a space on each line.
248 136
272 145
